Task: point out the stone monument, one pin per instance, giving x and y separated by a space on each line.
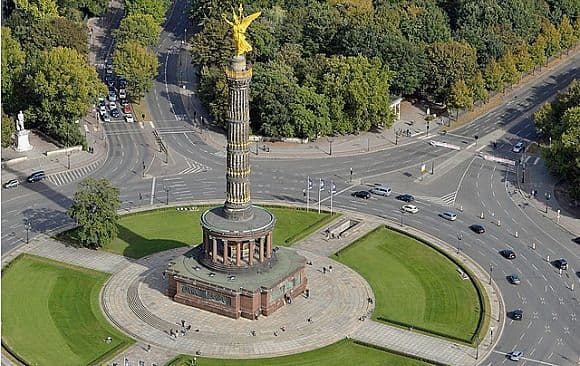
21 135
235 271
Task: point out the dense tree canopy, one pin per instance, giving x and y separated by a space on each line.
12 66
155 8
559 121
94 208
443 50
141 28
138 65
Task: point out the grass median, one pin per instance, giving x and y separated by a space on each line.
415 285
345 352
51 314
149 232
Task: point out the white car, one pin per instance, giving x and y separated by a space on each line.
102 110
410 209
516 355
122 94
106 117
112 105
129 118
519 147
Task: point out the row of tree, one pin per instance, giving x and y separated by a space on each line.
559 124
452 53
137 34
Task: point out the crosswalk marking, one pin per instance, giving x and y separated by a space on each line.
445 200
194 167
69 176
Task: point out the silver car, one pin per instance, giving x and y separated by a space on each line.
381 190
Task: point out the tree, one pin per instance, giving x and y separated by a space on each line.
38 9
494 76
538 50
567 36
94 208
12 66
553 38
138 65
155 8
461 96
477 87
510 72
141 28
61 86
7 130
524 62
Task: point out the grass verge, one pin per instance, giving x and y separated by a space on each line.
415 285
51 313
345 352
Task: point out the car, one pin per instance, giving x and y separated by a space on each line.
122 94
448 215
519 147
115 113
36 176
102 102
515 355
12 183
127 108
508 254
112 105
112 96
109 81
106 117
381 190
561 263
129 118
102 110
406 197
517 314
514 279
476 228
362 194
121 82
410 208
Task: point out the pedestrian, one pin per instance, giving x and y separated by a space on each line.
163 274
148 347
188 327
275 334
183 323
140 196
307 293
309 320
329 268
323 269
283 328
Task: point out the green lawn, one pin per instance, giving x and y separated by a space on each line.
345 352
414 284
149 232
51 313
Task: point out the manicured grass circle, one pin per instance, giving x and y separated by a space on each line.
51 313
345 352
414 285
149 232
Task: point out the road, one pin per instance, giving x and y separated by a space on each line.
549 331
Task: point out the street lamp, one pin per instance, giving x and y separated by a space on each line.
491 335
397 137
67 147
490 272
27 226
459 237
166 189
548 196
330 141
477 347
350 181
427 128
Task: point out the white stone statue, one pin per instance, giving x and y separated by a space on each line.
20 122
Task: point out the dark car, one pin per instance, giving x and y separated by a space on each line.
561 264
514 279
517 314
406 198
508 254
12 183
476 228
36 176
115 113
362 194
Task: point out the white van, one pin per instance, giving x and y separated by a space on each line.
381 190
448 215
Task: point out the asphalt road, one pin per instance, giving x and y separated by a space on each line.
549 332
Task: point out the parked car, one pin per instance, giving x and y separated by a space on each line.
515 355
381 190
112 105
127 108
476 228
406 197
508 254
36 176
12 183
106 117
448 215
122 94
102 102
519 147
115 113
410 209
102 110
514 279
112 96
561 264
362 194
517 314
129 118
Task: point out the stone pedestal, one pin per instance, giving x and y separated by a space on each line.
21 141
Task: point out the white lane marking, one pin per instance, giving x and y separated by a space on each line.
151 124
536 161
527 359
152 190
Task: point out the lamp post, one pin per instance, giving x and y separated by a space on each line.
459 237
166 189
350 180
477 347
67 148
396 137
427 128
27 226
330 141
491 336
548 196
490 272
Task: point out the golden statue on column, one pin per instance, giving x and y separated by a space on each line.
239 25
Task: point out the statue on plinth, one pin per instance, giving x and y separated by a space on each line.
239 25
21 135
